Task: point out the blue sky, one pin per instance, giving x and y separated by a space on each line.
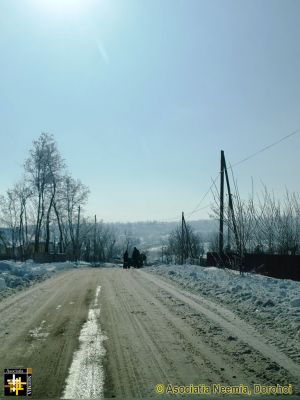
141 96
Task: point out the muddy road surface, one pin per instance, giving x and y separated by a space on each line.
124 334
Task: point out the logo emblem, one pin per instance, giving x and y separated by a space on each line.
17 381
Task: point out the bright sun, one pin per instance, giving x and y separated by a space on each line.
62 8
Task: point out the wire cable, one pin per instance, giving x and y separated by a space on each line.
197 208
240 162
265 148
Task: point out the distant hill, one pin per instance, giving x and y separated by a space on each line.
148 236
155 232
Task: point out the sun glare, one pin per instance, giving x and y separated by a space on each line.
62 8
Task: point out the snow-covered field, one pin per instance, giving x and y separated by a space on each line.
272 305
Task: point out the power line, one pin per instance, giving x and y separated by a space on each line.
265 148
240 162
197 208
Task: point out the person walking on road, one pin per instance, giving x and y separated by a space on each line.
136 257
125 260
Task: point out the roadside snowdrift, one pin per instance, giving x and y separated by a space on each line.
17 275
272 305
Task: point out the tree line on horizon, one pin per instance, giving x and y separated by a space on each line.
44 214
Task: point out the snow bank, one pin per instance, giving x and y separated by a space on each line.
16 275
267 302
257 292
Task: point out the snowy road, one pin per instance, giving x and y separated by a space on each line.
161 334
40 327
153 332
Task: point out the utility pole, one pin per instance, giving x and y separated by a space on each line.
95 229
77 235
221 233
230 204
189 250
228 227
182 237
231 208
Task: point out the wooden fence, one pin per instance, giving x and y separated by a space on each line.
274 265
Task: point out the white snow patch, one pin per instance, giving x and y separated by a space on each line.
86 376
16 275
267 302
58 307
37 333
96 296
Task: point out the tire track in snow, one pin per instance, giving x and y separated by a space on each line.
227 320
86 375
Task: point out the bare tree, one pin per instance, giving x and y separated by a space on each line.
10 217
266 225
43 167
23 194
105 242
189 244
279 223
75 195
47 201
